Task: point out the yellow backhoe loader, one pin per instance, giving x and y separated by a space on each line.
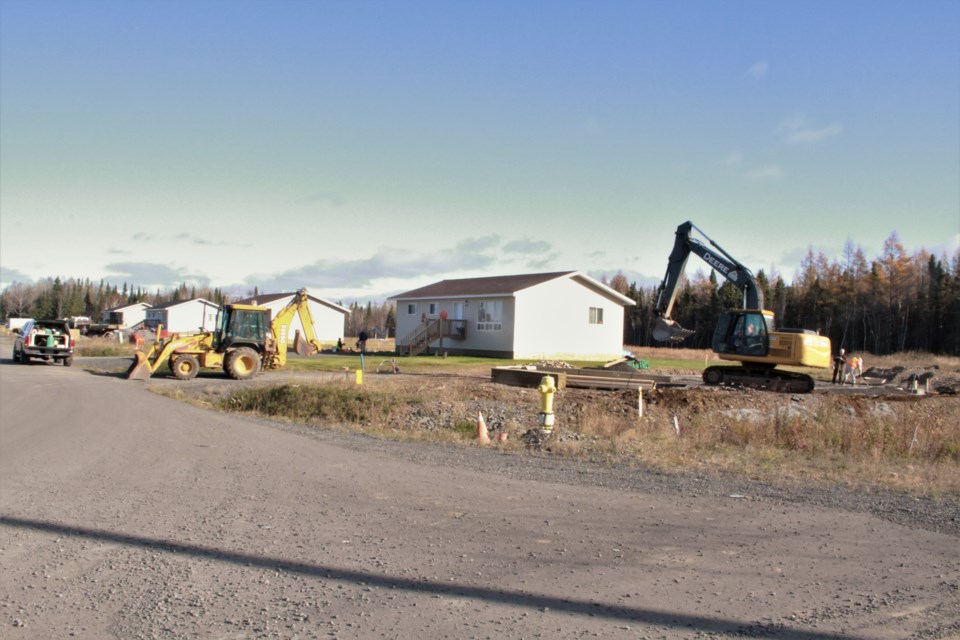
245 342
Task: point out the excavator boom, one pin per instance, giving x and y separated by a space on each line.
666 329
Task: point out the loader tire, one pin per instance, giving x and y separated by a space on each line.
242 364
185 367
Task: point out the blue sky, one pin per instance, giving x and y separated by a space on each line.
364 148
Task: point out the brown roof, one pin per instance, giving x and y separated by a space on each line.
490 286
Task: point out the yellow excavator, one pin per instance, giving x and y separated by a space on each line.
245 342
747 335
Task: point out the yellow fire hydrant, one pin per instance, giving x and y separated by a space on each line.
546 417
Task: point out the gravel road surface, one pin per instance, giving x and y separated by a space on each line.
124 514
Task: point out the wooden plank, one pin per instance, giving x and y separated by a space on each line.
604 373
576 378
596 382
523 377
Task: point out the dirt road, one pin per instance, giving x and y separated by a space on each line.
128 515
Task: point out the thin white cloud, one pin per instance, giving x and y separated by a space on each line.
470 254
543 263
151 274
733 159
770 172
328 198
633 277
527 245
9 276
181 237
759 69
798 130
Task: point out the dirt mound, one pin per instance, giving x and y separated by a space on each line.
931 379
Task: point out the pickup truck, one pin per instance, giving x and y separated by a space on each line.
46 339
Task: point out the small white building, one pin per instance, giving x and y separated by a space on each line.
13 324
561 315
329 318
184 316
129 316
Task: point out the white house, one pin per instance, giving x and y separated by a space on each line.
184 316
561 315
328 317
130 316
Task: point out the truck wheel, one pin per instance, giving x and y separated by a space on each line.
68 361
186 367
242 364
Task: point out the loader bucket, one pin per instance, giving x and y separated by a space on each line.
140 370
669 331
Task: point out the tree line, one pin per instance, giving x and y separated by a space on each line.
892 303
54 298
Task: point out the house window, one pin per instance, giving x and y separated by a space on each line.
596 315
411 309
433 308
490 315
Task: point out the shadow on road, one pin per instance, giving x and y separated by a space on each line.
484 594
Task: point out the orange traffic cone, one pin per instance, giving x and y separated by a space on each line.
483 436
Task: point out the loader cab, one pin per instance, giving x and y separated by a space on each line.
242 324
744 332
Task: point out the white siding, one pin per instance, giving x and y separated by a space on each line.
190 316
407 322
327 322
553 322
501 340
497 341
132 314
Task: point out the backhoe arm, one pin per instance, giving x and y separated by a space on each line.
305 344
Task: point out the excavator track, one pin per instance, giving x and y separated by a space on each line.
763 378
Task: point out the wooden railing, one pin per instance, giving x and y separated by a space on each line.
418 340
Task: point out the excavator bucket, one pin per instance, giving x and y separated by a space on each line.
665 330
140 370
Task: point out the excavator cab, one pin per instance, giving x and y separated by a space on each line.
744 332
